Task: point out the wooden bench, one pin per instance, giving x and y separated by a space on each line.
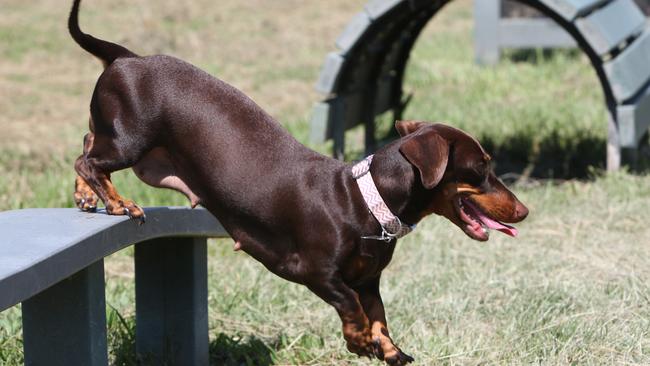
51 261
364 77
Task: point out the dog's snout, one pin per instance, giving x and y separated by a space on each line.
521 211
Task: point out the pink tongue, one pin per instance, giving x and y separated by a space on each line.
492 224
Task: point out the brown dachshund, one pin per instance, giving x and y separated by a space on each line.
299 213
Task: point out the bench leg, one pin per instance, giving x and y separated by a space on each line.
630 158
171 293
338 130
487 14
66 324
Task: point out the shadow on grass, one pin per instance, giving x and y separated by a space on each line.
552 157
231 350
557 157
538 55
225 349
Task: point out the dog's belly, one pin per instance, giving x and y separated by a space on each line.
157 169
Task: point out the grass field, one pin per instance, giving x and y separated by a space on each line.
572 289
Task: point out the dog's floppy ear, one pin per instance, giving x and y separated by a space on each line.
408 127
429 152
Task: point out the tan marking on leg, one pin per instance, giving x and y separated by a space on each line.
380 332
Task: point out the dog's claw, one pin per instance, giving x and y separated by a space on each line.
399 359
141 218
376 344
85 206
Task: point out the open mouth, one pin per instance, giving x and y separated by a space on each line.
477 223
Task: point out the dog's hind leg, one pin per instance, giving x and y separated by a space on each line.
84 197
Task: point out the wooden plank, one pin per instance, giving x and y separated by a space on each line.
41 247
353 32
570 9
630 70
607 27
329 73
634 120
486 31
377 8
320 122
532 33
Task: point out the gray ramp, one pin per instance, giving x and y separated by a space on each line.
41 247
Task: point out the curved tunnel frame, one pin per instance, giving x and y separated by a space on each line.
364 79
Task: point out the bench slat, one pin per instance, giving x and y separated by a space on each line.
542 32
352 32
329 72
605 29
377 8
630 70
570 9
320 122
634 120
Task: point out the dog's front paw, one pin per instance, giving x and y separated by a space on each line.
390 353
128 208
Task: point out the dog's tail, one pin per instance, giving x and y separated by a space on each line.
106 51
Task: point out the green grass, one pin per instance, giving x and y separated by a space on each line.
572 289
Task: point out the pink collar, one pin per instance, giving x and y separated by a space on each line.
391 226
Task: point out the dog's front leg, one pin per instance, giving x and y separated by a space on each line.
356 329
374 308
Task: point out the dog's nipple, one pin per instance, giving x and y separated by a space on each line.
237 246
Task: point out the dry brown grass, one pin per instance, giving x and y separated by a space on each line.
271 50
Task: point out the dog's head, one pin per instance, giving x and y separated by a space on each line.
457 169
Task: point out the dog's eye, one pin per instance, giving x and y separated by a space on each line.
472 177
